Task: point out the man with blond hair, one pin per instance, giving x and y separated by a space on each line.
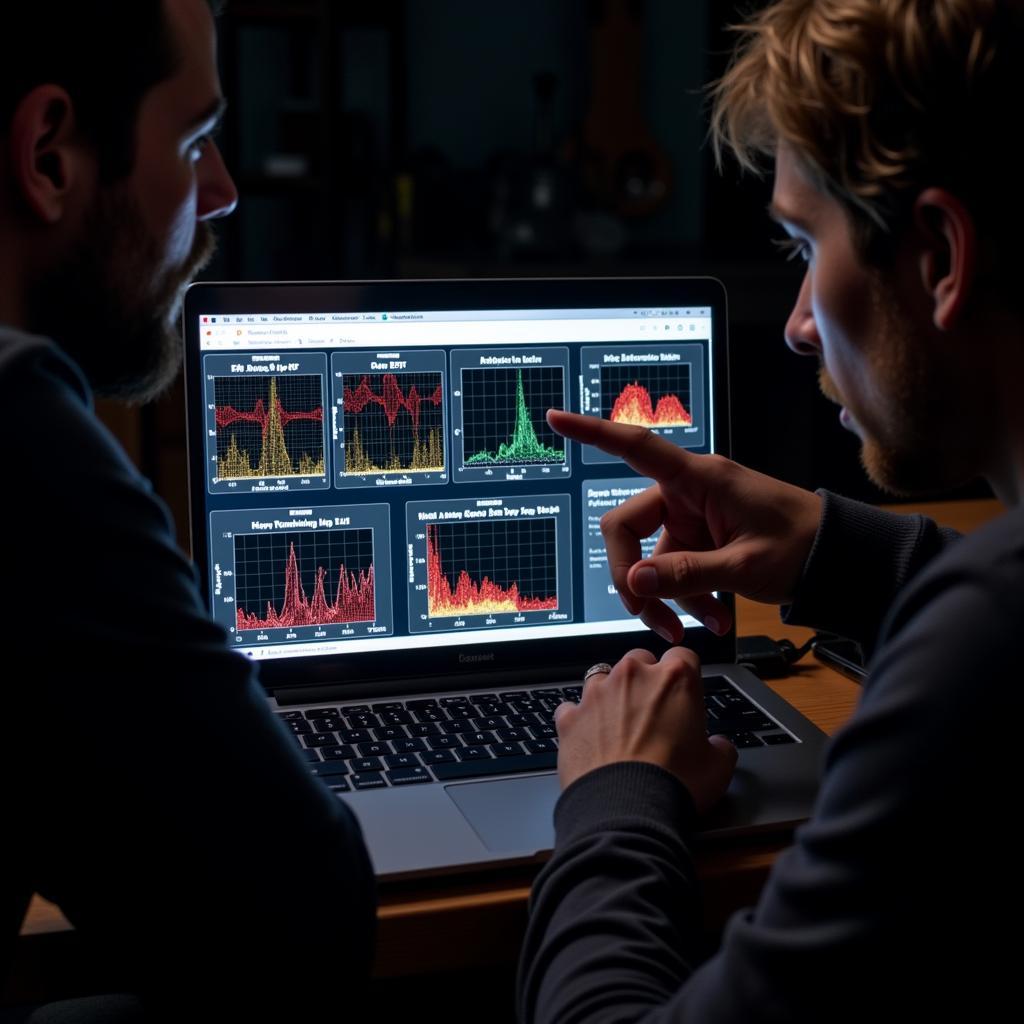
890 127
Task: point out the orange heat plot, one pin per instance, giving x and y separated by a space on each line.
471 597
634 406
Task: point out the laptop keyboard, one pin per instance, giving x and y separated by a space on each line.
468 736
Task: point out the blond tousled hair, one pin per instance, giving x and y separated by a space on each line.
880 98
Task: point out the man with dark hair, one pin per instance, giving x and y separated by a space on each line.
889 123
148 790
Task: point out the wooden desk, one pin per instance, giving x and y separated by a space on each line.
482 920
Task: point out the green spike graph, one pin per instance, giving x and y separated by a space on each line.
523 447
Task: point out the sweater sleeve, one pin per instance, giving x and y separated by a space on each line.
862 557
890 902
614 915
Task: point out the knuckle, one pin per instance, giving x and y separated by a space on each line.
630 666
742 560
690 661
685 670
719 464
686 569
632 436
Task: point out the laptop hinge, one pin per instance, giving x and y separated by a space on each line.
348 691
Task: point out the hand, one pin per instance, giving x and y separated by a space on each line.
646 710
725 528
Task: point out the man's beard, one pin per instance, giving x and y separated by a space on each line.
108 311
907 445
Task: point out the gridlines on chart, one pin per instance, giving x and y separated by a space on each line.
507 553
662 381
269 426
393 422
262 568
503 416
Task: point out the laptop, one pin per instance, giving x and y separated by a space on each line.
384 522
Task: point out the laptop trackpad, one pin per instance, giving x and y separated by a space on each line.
513 815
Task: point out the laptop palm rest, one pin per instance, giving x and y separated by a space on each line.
510 815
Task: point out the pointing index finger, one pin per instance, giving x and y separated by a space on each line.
640 448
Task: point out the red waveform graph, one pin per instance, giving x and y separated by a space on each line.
269 426
259 413
390 397
633 405
476 597
353 600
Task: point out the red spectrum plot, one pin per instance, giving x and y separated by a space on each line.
634 406
353 601
391 398
226 415
471 598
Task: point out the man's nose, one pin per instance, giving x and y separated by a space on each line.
801 330
217 195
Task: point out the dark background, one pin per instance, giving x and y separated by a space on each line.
454 138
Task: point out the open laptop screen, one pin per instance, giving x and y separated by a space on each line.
372 475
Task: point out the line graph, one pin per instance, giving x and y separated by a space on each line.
269 427
300 578
488 567
393 423
503 416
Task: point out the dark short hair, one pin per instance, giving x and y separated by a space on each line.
106 53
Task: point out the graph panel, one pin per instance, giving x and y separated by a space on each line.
304 579
282 576
477 568
489 563
500 398
390 418
265 423
659 386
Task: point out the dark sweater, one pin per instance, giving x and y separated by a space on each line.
900 897
147 788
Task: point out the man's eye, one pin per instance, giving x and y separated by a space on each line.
794 248
198 147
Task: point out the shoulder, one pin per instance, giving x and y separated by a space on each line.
42 391
948 652
28 360
977 579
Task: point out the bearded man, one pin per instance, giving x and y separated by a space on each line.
147 788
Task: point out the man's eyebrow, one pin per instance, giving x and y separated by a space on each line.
213 112
781 216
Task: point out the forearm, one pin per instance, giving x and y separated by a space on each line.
861 550
615 915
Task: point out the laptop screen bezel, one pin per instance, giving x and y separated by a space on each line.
560 654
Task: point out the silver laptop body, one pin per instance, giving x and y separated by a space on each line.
383 521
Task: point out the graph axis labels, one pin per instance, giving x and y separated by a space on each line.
265 423
302 575
389 418
499 400
484 563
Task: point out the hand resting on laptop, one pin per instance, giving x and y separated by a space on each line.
647 710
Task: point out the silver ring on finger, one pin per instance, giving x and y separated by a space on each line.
602 668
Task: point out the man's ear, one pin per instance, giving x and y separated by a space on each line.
47 160
948 254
